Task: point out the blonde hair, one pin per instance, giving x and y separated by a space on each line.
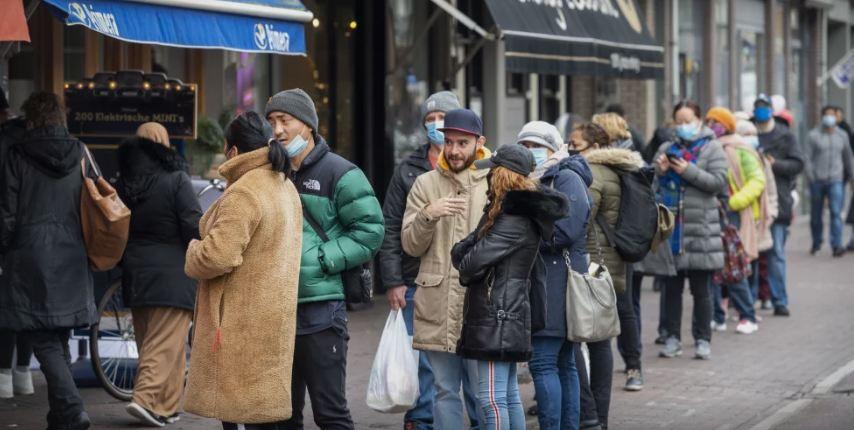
614 125
155 132
501 181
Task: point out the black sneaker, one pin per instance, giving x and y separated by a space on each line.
145 415
814 250
634 380
781 311
533 411
838 252
661 339
850 247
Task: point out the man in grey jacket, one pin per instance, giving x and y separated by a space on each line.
828 160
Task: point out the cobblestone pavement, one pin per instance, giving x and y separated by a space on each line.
748 380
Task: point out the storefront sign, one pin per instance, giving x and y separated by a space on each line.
843 71
90 115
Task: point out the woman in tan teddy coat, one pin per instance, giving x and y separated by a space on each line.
247 263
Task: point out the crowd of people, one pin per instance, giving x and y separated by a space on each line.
476 247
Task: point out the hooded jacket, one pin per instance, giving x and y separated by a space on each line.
245 321
164 218
605 193
571 178
788 163
439 297
703 182
340 198
498 269
396 267
46 282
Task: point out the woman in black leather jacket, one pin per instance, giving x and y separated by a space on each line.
500 265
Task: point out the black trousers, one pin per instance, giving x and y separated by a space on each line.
628 342
595 384
320 365
700 281
9 342
51 349
269 426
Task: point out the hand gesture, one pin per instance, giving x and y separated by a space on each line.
446 206
663 163
770 159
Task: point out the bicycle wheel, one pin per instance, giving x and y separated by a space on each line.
113 346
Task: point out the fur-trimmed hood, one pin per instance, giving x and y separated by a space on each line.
617 158
544 206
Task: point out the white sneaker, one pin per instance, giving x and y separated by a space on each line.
22 380
6 391
718 327
747 327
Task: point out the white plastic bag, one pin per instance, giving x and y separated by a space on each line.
393 386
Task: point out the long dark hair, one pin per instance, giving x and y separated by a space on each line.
687 104
249 131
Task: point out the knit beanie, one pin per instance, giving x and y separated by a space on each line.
443 101
296 103
723 116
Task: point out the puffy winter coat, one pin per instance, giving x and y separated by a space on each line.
605 193
164 218
702 248
439 298
46 282
398 268
497 268
340 198
245 321
571 178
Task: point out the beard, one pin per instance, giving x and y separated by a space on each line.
458 163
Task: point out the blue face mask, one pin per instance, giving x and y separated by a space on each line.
762 113
540 155
686 131
828 121
435 136
296 145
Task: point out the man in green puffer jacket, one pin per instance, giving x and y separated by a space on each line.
338 196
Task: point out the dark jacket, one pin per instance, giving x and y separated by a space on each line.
638 142
340 198
497 269
396 267
571 177
661 136
46 281
780 143
164 218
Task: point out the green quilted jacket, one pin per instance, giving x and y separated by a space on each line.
339 197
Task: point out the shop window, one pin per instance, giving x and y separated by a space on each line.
750 35
691 67
549 98
74 52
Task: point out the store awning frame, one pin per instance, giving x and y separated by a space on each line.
201 24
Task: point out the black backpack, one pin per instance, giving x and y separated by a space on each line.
637 223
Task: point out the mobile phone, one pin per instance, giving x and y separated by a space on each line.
673 157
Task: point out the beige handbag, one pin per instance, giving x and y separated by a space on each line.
104 217
591 302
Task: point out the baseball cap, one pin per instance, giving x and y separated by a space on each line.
541 133
515 158
762 99
464 121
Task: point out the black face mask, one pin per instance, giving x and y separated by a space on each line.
574 152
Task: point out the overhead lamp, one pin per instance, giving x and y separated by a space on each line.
112 85
353 25
79 86
66 85
167 86
146 85
91 85
315 23
177 88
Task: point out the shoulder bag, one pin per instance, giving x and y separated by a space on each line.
358 281
103 216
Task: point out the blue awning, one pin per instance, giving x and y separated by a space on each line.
261 26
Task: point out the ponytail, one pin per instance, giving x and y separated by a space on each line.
249 132
278 157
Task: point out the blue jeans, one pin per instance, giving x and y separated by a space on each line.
754 281
498 391
834 192
450 373
740 296
556 383
422 412
777 265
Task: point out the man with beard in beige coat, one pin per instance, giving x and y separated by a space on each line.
443 208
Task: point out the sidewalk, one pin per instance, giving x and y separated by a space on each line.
748 379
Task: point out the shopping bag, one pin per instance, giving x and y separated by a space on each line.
393 385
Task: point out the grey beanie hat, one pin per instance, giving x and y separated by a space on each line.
443 101
296 103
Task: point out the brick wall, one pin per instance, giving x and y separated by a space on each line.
633 96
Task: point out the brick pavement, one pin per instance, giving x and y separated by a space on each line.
748 378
